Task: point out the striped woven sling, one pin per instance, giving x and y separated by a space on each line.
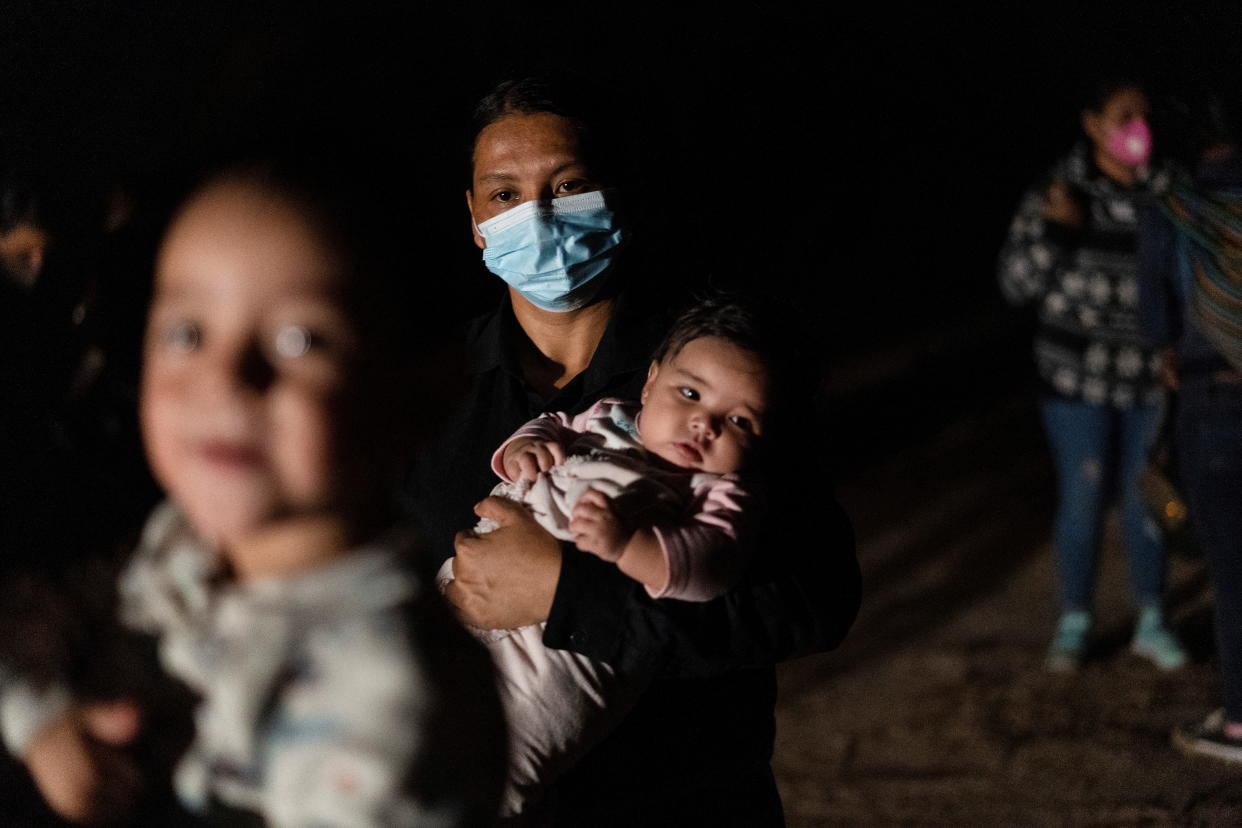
1210 229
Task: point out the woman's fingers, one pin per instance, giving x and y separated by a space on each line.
502 510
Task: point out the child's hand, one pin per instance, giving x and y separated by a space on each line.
79 765
596 528
525 457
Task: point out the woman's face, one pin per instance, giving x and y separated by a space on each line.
1125 105
525 157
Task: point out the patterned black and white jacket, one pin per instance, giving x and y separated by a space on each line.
1085 287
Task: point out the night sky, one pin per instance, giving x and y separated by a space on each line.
866 160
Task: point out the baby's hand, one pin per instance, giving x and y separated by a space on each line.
78 763
525 457
596 528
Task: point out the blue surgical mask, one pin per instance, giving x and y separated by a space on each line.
552 252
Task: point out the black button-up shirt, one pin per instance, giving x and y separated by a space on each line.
696 749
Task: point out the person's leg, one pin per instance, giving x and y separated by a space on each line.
1144 541
1079 436
1209 439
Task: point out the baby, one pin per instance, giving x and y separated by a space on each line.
336 689
652 487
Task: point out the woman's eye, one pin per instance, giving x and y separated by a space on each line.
294 341
571 186
505 196
183 335
688 393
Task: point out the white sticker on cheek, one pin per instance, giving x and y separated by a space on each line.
293 341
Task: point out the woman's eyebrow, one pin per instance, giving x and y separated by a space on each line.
499 175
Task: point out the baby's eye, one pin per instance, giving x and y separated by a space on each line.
183 335
688 392
743 423
294 341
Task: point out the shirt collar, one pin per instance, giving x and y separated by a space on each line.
626 345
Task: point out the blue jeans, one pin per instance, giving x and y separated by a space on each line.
1209 445
1097 448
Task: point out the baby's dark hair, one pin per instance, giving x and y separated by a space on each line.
724 315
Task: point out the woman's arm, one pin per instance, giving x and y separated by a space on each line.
1040 236
800 596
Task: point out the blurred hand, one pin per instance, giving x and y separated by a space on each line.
1061 206
80 766
596 527
525 457
1166 367
506 578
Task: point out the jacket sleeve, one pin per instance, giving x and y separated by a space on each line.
1160 318
798 596
1033 250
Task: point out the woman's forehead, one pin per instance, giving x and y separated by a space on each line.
521 140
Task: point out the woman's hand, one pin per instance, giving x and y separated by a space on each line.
525 457
506 578
1061 206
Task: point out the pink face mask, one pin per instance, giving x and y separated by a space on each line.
1131 144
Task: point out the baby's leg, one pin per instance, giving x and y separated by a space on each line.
558 704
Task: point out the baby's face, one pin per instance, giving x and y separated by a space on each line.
247 359
703 407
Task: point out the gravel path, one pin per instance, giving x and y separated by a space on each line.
936 710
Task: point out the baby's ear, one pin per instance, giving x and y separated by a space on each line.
652 372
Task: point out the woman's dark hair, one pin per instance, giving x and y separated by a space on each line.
1096 93
590 110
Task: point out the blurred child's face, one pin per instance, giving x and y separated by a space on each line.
22 251
247 359
703 407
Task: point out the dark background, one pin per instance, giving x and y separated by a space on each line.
863 162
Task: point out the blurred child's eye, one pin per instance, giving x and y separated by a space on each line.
688 392
742 423
183 335
295 340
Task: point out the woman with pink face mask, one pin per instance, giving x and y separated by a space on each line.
1071 253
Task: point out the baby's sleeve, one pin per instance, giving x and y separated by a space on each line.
705 554
553 427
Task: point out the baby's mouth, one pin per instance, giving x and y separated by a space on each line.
689 452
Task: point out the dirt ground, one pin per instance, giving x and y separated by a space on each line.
936 710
